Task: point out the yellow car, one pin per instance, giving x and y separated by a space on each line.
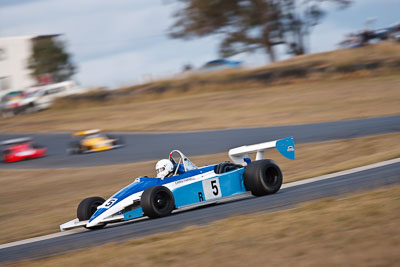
93 141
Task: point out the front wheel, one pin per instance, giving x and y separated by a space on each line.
88 207
262 177
118 141
157 201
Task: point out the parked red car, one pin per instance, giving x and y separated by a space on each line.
22 149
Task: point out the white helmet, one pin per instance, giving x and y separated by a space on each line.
164 167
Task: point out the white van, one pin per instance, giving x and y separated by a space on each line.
41 97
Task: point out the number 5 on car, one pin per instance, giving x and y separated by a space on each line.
211 188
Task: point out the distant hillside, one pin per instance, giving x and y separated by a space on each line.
364 61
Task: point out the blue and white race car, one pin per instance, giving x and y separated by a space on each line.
188 186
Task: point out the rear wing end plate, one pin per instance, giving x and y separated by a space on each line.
285 146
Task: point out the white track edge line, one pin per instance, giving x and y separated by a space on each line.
40 238
301 182
341 173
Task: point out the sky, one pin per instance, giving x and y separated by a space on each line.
123 42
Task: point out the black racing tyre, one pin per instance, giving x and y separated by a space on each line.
157 201
262 177
37 146
121 140
30 108
88 206
74 148
118 141
82 149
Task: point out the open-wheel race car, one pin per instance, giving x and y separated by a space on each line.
21 149
93 141
187 186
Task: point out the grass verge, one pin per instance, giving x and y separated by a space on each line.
50 197
227 106
361 230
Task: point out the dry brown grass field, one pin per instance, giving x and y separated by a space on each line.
361 230
50 197
384 51
251 106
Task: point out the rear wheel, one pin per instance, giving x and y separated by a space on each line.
30 108
6 154
157 201
37 146
74 148
88 207
262 177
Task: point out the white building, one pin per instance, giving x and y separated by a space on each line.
14 58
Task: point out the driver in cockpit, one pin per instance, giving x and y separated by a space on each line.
170 167
164 168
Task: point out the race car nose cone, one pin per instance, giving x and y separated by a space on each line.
91 224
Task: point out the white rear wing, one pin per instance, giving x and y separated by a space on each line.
285 146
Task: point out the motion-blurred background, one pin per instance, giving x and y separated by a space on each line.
121 43
154 73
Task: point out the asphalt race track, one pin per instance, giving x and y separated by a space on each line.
286 198
153 146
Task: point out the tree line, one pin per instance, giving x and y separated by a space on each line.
243 25
248 25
